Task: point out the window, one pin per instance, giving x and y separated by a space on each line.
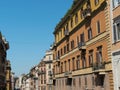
86 81
73 66
68 47
80 82
69 64
77 39
93 81
83 61
64 30
98 27
115 3
96 2
41 81
99 54
61 52
67 27
49 57
56 69
63 82
116 31
76 18
82 37
49 66
44 81
59 82
61 67
72 44
58 56
69 81
90 57
64 49
89 34
44 76
74 81
71 22
65 66
100 80
78 63
81 13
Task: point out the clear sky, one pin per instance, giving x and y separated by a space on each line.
28 25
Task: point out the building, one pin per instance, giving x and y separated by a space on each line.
45 71
12 80
42 75
33 78
115 38
19 82
49 69
82 48
16 86
26 82
8 75
4 46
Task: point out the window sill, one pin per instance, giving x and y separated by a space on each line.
116 7
118 41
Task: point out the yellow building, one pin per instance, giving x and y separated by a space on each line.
82 48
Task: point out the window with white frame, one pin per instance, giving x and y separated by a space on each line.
115 3
116 31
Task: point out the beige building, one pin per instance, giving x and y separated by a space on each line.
115 38
82 48
49 69
42 75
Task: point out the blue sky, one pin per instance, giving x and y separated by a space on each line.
28 25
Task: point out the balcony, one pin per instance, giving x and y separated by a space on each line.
58 60
54 45
41 72
66 32
35 78
50 73
7 45
87 13
50 82
68 74
99 68
81 46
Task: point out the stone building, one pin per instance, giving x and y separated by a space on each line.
4 46
8 75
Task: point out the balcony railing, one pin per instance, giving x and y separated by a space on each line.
58 59
81 45
87 13
7 45
66 32
41 72
50 82
98 66
68 73
50 73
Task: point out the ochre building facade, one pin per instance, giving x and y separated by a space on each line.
82 58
